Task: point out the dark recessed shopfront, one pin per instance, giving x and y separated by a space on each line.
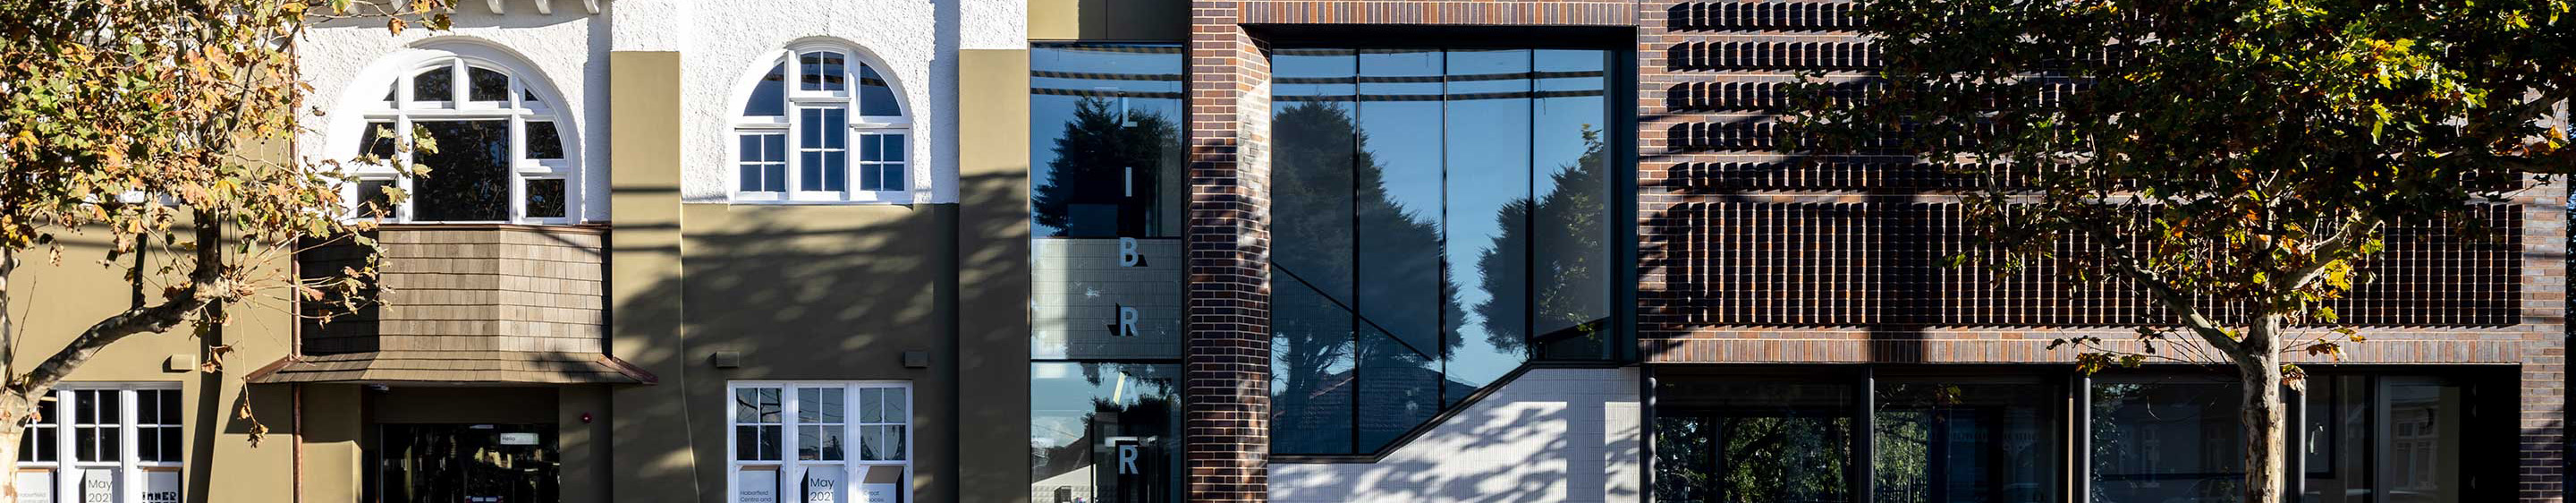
2042 434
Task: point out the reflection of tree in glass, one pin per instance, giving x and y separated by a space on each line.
1091 166
1326 184
1763 459
1571 291
1149 414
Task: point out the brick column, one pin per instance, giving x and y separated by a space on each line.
1228 362
2544 359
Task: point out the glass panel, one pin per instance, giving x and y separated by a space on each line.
1487 229
170 446
373 201
896 409
543 141
1310 370
881 443
1397 179
820 405
1398 388
757 405
870 148
381 139
823 71
1571 223
818 443
469 173
881 162
2422 455
824 139
2171 441
876 97
872 405
464 463
435 84
2381 439
2339 414
836 171
1104 432
1316 139
170 413
764 162
1943 442
545 198
1738 441
769 96
486 85
1107 143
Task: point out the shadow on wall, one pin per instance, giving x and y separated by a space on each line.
1551 435
819 293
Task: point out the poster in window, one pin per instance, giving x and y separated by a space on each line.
878 493
161 486
35 486
757 484
98 485
822 485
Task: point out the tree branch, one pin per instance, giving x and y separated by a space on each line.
2185 310
205 287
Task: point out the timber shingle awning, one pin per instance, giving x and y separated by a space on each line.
464 367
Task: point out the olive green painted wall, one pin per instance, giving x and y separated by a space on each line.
644 277
1110 20
993 259
822 292
52 303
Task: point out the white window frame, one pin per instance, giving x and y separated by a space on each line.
128 465
789 468
516 108
797 99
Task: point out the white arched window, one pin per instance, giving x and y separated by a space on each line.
501 148
821 125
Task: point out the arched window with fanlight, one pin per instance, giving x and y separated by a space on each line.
821 125
497 150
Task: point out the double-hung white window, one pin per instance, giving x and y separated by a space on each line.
117 443
821 126
837 441
500 153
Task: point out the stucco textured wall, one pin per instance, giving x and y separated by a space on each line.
1551 435
914 42
349 64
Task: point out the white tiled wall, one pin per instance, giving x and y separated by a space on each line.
1552 435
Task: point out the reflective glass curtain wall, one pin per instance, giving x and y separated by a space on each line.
1932 440
1105 203
1439 216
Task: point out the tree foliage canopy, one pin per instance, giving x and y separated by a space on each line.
165 124
2242 154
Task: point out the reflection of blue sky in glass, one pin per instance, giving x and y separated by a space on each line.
1459 139
1489 167
1144 78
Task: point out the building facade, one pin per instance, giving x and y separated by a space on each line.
1067 251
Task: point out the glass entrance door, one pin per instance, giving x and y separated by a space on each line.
465 463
